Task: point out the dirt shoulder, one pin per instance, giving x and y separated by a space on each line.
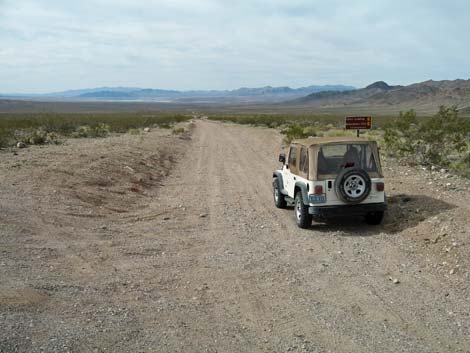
158 243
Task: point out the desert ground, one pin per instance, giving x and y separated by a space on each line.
166 243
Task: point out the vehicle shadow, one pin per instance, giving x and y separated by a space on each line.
404 211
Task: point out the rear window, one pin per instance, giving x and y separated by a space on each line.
333 158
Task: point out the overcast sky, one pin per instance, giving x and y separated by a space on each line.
51 45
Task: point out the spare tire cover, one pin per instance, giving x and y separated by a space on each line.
352 185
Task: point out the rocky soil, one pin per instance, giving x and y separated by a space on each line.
161 243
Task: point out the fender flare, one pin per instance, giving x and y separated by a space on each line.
277 174
303 190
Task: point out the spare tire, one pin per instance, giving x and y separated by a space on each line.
352 185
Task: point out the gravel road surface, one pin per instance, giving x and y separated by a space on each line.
161 243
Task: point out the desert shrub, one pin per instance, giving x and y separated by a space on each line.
462 166
441 137
99 130
82 131
164 125
5 138
46 127
178 130
440 140
401 135
134 131
52 138
310 131
336 133
36 137
268 120
293 132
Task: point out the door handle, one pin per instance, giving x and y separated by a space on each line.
295 178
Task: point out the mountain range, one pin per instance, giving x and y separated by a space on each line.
244 94
427 95
377 98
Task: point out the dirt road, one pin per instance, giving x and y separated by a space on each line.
163 244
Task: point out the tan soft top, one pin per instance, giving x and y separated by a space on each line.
313 144
311 141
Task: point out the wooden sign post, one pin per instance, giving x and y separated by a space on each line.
358 123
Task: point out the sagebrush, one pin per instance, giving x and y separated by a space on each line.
442 140
46 127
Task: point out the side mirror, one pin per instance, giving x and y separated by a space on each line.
282 158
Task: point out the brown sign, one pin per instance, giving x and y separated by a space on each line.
358 122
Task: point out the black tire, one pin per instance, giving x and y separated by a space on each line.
278 197
374 218
302 217
353 185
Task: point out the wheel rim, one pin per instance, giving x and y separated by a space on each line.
355 186
276 193
298 210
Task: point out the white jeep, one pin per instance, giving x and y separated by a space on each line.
331 177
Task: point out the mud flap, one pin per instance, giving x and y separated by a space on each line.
303 189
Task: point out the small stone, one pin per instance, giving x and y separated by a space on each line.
444 171
21 145
396 281
203 215
147 129
451 272
166 218
448 184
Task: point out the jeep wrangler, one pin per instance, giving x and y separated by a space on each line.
331 177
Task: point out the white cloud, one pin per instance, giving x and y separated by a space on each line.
53 44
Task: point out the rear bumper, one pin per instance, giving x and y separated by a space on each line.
346 210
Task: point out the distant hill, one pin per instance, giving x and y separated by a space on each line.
79 92
260 94
106 95
382 85
428 95
268 90
244 94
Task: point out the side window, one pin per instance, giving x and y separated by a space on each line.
293 159
303 165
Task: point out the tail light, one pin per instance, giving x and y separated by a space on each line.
318 190
380 186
